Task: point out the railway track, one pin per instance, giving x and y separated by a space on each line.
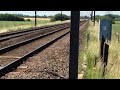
9 35
15 40
29 33
14 55
29 30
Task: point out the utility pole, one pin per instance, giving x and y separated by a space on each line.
35 18
61 16
91 15
94 18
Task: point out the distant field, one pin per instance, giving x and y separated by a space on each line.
6 26
13 25
39 19
116 27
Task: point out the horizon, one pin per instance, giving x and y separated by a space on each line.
50 13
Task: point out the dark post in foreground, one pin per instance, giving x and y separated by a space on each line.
74 45
35 18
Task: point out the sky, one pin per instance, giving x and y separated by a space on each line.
83 13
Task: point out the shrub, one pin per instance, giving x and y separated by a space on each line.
58 17
28 20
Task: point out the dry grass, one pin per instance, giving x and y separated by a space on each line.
113 68
39 19
92 54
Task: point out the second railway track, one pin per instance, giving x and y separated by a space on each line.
12 58
12 39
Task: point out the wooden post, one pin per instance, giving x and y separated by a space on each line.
118 37
105 53
88 38
74 45
105 58
102 41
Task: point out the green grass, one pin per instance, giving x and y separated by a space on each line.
82 50
6 26
89 54
14 25
116 27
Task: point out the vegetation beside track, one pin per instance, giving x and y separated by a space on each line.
91 55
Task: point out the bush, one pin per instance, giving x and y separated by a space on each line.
58 17
113 22
28 20
52 20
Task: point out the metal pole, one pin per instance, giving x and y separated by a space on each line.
94 18
35 18
91 15
74 45
61 16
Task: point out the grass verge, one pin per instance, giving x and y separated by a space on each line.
94 67
91 54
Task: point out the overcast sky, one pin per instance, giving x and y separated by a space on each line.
55 12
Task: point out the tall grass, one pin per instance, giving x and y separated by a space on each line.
92 54
113 67
93 70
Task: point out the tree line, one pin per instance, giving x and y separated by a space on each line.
33 16
20 17
10 17
111 17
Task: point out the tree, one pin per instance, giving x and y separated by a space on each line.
27 19
111 17
58 17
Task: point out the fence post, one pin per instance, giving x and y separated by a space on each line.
118 36
102 41
88 38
